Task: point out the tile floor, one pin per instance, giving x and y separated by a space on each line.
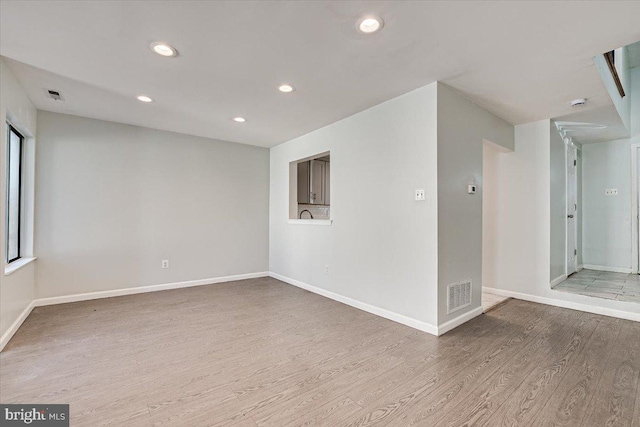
603 284
491 301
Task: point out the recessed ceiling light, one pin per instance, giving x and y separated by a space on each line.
144 98
239 119
163 49
286 88
370 24
579 101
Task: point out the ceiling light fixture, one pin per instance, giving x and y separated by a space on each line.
370 24
239 119
144 98
163 49
578 102
286 88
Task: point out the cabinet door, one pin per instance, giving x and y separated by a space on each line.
304 184
317 182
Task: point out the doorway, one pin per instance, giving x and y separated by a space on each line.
490 224
635 208
572 209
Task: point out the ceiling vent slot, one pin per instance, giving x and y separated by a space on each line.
458 296
54 94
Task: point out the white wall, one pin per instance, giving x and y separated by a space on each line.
462 128
16 289
606 219
634 77
113 200
523 235
382 246
634 100
558 205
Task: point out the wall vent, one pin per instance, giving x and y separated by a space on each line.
458 296
54 94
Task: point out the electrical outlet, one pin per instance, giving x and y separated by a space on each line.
420 194
165 263
326 269
611 192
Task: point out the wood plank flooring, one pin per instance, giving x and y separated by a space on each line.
262 353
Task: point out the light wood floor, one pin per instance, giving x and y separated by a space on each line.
259 352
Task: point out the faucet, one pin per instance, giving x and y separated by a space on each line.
303 211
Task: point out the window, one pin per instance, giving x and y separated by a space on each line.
14 186
310 188
610 58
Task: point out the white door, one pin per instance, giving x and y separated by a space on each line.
572 210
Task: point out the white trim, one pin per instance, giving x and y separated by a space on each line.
463 318
558 280
634 208
605 268
6 337
620 314
144 289
17 265
311 221
580 267
408 321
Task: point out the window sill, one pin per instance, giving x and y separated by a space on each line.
311 221
17 265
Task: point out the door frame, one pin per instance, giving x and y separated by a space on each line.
570 146
634 207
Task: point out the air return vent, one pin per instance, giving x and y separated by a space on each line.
458 296
54 94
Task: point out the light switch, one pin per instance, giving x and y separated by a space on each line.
420 194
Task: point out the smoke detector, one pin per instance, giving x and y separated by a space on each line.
578 102
55 95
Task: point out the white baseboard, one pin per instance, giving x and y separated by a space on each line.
6 337
144 289
399 318
558 280
580 267
454 323
605 268
611 312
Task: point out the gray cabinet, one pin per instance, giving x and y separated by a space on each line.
304 182
318 185
314 182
